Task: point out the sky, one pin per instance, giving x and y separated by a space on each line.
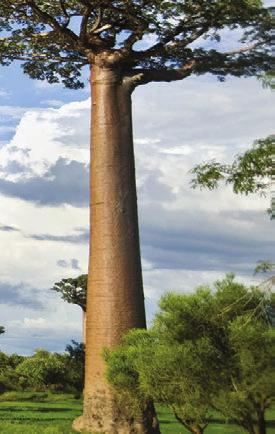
188 237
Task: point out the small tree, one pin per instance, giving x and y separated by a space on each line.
74 290
43 370
149 367
2 330
202 353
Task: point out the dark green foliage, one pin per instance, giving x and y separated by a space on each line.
8 377
2 330
75 365
53 371
264 267
73 290
201 355
56 39
44 371
249 173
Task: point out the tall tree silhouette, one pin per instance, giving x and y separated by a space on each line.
126 43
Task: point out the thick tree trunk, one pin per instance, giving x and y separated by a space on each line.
115 301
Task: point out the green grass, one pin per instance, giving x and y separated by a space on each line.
55 415
170 426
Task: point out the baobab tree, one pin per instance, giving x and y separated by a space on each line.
126 43
74 291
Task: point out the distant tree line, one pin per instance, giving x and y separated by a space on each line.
44 371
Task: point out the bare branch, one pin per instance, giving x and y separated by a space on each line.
132 39
170 41
144 76
84 23
63 8
97 21
103 28
243 49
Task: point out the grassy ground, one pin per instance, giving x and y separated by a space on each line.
55 414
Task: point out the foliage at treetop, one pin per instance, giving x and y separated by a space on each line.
2 330
55 39
73 290
250 172
201 354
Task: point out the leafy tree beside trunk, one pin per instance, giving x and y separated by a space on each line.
207 351
250 172
125 44
253 380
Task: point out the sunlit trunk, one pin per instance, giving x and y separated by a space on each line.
84 327
115 301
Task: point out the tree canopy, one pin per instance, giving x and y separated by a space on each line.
150 40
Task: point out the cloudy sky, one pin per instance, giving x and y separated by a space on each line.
187 237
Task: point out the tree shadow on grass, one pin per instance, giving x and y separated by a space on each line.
217 421
36 410
30 420
167 421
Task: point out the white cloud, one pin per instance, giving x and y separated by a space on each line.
4 93
14 112
39 138
53 102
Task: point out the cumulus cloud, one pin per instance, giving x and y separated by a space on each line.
20 295
63 182
31 330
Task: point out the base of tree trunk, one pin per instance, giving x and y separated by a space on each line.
103 415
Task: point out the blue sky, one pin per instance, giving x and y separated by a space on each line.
188 237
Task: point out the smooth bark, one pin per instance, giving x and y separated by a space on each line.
115 301
84 327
